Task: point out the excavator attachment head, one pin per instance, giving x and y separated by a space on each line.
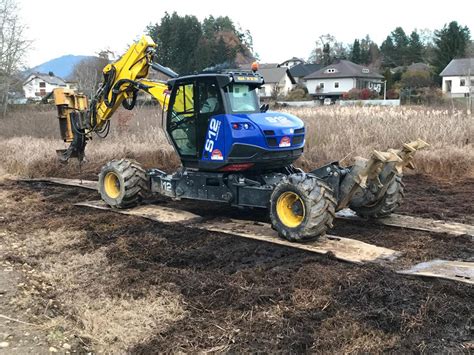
368 180
72 109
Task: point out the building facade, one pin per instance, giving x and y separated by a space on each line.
340 77
458 78
38 85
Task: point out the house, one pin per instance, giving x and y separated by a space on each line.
301 70
458 78
340 77
277 81
38 85
290 63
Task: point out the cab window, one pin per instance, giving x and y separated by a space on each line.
242 98
182 123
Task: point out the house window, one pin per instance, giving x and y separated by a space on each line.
321 85
463 82
331 70
42 84
336 85
365 70
448 85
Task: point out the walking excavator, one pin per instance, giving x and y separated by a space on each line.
232 149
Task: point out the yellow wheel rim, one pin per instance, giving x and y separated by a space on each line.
290 209
112 185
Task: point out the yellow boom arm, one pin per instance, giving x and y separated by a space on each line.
123 79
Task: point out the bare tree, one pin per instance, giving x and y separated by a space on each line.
13 47
326 49
88 73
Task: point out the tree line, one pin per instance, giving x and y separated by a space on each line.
187 45
400 49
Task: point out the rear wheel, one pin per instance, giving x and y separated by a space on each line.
302 208
122 183
387 204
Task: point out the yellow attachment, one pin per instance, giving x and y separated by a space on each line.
112 185
67 101
288 204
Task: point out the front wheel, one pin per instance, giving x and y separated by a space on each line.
302 208
122 183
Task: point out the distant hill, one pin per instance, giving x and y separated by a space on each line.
61 66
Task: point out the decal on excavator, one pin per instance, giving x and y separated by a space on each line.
212 148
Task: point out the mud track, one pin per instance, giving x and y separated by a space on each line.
241 295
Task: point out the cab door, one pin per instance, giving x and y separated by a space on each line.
182 120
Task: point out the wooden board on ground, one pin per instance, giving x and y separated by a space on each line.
86 184
444 269
346 249
153 212
416 223
342 248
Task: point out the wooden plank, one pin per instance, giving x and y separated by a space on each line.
153 212
416 223
346 249
86 184
342 248
451 270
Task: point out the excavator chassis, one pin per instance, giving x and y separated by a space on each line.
302 205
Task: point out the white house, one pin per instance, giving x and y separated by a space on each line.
340 77
458 77
38 85
276 79
290 63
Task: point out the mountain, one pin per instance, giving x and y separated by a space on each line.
61 66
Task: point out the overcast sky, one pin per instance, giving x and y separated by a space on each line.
280 29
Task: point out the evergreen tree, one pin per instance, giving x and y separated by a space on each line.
450 42
355 52
365 55
401 42
186 45
387 49
415 49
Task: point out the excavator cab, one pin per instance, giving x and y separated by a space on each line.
215 123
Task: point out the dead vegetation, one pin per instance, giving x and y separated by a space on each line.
30 137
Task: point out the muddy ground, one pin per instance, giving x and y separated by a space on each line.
94 280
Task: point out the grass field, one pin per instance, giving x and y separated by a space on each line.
31 136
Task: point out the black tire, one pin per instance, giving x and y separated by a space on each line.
314 207
387 204
123 183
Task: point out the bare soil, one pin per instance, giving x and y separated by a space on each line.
224 293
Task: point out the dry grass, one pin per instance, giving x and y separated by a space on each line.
333 133
341 133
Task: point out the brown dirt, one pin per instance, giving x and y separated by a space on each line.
234 294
